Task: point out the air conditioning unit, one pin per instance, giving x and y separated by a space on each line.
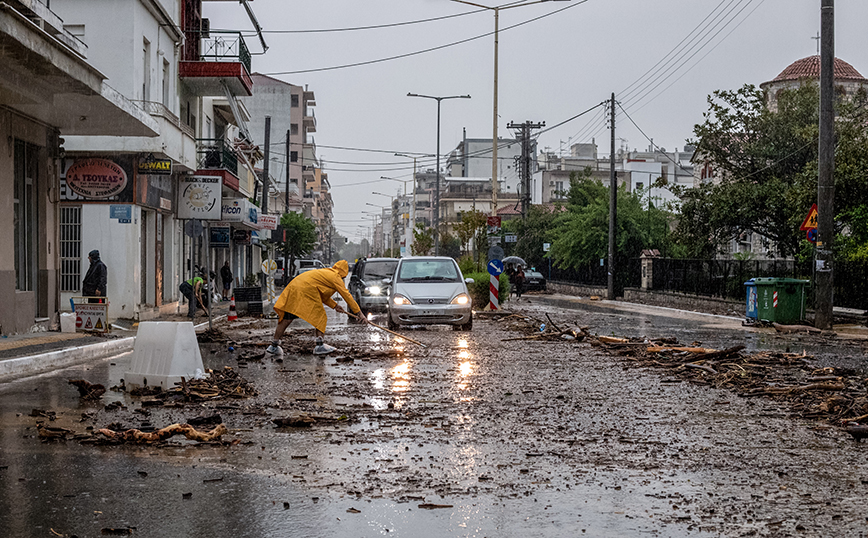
551 183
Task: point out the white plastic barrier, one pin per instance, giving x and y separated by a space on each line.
164 352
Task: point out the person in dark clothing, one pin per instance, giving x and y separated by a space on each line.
226 276
519 281
94 283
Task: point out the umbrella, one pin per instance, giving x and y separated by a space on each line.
514 259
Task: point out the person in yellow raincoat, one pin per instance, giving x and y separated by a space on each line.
304 298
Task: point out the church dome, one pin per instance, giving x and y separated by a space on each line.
810 68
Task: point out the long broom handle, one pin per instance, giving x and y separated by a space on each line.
392 332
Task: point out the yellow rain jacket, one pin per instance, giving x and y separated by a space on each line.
305 295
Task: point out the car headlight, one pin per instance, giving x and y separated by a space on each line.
401 300
373 290
461 298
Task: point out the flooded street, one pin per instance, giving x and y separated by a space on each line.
472 436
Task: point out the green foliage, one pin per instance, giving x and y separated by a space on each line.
479 290
767 164
423 240
473 225
539 227
450 245
468 264
581 233
300 236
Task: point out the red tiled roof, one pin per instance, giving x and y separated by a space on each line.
810 68
508 210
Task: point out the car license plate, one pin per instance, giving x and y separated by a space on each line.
431 312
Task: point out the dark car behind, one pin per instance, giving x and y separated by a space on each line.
534 281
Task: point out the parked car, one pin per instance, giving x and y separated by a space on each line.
534 281
370 283
300 267
430 290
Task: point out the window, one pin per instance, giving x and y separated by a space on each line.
70 248
25 220
293 100
166 83
293 156
639 185
293 129
146 68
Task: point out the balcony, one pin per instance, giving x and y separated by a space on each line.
309 121
222 58
215 157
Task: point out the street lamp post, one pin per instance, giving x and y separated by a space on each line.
496 9
436 219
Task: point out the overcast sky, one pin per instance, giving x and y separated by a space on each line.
661 58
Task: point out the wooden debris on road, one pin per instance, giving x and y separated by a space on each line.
88 390
141 438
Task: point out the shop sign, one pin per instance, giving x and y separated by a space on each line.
96 178
252 217
233 210
200 197
151 165
268 222
220 237
241 237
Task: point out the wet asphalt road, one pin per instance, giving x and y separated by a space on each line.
518 438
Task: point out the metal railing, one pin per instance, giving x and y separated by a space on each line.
159 110
224 46
216 153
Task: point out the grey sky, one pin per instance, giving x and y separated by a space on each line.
550 70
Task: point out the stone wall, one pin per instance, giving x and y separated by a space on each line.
578 290
684 301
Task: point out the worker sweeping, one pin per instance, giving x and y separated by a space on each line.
304 298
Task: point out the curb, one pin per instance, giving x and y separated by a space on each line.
54 360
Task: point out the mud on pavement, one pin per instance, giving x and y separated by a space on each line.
609 446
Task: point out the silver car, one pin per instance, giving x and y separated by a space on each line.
430 290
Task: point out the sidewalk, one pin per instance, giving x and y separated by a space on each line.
34 353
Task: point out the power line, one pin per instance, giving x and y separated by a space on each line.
423 51
371 27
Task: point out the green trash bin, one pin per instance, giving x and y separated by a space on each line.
781 300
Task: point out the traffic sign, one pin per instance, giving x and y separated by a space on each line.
810 222
495 253
811 235
495 267
269 266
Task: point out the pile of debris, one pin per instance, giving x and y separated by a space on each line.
225 383
836 395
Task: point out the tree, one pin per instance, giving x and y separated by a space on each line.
423 240
581 233
300 238
473 225
765 164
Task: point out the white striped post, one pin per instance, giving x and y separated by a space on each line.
493 288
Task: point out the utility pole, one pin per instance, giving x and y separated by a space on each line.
286 200
265 164
826 180
613 205
286 210
524 166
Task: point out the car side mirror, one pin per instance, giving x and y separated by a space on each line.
387 280
469 281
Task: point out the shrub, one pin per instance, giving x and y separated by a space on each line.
468 265
479 289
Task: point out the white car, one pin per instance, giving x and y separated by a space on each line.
429 290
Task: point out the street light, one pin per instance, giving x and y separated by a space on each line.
496 9
436 219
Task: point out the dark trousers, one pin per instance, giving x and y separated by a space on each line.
187 289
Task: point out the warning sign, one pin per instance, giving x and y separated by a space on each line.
91 317
810 222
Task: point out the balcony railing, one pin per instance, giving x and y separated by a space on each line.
224 46
216 153
159 110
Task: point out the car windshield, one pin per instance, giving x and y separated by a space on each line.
429 270
380 269
534 274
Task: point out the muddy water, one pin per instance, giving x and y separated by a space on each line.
517 438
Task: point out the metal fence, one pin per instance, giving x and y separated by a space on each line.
724 278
